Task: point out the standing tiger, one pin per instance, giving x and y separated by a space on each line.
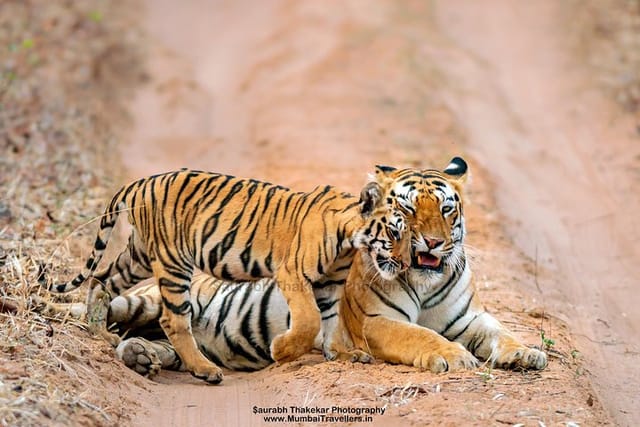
234 324
236 230
432 317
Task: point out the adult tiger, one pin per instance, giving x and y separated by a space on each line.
237 230
432 317
235 323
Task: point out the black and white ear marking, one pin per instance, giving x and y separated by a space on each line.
381 169
370 198
457 167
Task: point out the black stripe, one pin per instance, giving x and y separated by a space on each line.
99 244
459 334
181 309
211 356
237 349
459 316
322 285
324 305
247 292
245 327
263 324
329 316
476 342
173 287
256 271
348 300
206 307
320 267
227 301
443 292
225 274
268 262
390 303
411 292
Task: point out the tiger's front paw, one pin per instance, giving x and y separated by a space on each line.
210 373
97 316
450 357
350 355
522 357
287 347
138 355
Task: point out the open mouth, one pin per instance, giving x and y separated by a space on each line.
427 261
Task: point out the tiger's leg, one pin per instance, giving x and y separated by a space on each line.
136 308
305 320
130 267
148 357
77 310
488 339
339 345
410 344
176 321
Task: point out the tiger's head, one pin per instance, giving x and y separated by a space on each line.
432 201
384 236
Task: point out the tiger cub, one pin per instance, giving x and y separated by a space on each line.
432 317
234 324
236 230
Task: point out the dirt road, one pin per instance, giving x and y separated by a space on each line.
303 93
566 173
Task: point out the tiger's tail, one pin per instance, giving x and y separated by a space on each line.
107 223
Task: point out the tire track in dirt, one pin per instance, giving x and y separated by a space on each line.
563 166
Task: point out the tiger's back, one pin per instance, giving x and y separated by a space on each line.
235 229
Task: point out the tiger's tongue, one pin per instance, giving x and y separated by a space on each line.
428 260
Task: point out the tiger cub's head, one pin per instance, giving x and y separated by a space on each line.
432 201
384 235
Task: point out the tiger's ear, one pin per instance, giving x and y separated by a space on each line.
383 175
370 198
457 169
384 170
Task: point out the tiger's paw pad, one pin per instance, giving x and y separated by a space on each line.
139 356
524 358
287 347
452 358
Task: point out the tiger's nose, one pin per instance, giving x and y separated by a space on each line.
433 243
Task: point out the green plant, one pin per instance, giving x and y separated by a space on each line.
95 16
547 343
486 374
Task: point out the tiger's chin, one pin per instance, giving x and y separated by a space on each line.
386 268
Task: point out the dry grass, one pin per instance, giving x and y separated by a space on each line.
65 72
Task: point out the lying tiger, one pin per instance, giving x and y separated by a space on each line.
236 230
430 318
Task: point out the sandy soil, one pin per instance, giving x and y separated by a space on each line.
303 93
555 146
